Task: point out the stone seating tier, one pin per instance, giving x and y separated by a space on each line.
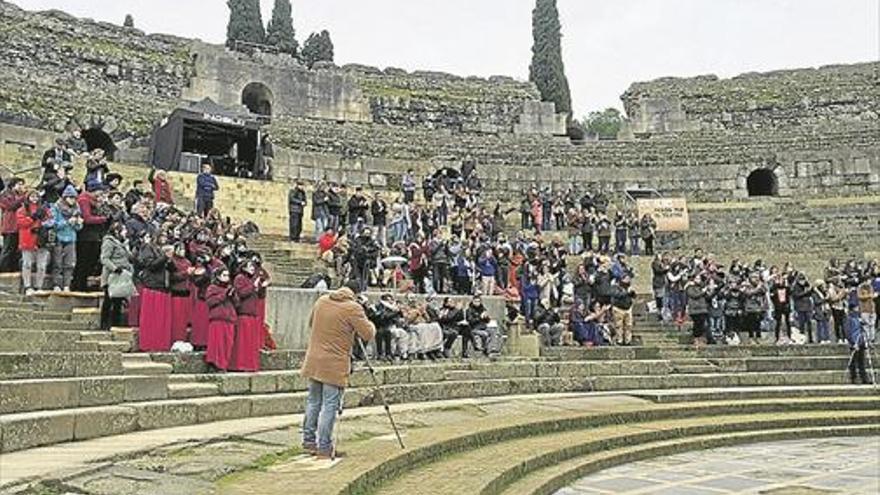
701 148
538 446
41 411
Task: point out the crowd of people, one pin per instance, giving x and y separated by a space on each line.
742 302
185 280
451 243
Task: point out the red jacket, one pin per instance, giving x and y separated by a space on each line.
220 307
28 227
326 241
180 278
162 190
247 295
10 203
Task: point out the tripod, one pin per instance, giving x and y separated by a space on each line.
378 389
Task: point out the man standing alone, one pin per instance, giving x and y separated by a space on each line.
296 205
206 185
337 318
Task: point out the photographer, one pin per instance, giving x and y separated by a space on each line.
67 221
29 219
363 256
337 318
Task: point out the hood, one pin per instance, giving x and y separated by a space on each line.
343 294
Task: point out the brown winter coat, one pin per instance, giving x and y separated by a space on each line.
335 320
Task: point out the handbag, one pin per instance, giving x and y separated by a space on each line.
120 285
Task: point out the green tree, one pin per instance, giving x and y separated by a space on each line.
605 124
547 70
280 32
245 22
129 21
318 48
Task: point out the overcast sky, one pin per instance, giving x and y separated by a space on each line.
606 45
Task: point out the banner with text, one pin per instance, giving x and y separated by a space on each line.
671 214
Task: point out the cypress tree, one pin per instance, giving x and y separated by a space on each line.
280 32
318 48
245 22
547 70
129 21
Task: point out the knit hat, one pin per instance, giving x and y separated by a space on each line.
69 192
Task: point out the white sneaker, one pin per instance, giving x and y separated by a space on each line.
67 289
56 289
29 292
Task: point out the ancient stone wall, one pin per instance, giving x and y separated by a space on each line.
61 72
291 89
697 165
436 100
756 101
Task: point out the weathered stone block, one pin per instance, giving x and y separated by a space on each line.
263 383
605 368
32 395
99 363
547 369
277 404
166 414
575 369
104 421
395 375
233 384
219 409
425 374
291 382
145 388
38 365
27 430
101 391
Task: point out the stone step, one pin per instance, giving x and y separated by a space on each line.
63 393
14 340
20 365
186 390
495 457
544 478
695 369
135 364
91 336
453 375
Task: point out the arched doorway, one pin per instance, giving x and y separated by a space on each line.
257 97
762 182
97 139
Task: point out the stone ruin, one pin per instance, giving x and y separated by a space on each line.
807 131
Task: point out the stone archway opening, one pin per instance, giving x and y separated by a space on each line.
257 97
97 139
762 182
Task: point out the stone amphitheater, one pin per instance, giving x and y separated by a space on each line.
83 412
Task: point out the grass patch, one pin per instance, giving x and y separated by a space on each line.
261 464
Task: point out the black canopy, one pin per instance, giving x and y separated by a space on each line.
204 128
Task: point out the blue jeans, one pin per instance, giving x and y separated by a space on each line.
822 331
322 406
321 225
805 322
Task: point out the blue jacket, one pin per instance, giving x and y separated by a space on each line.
206 184
854 333
65 232
487 266
531 291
